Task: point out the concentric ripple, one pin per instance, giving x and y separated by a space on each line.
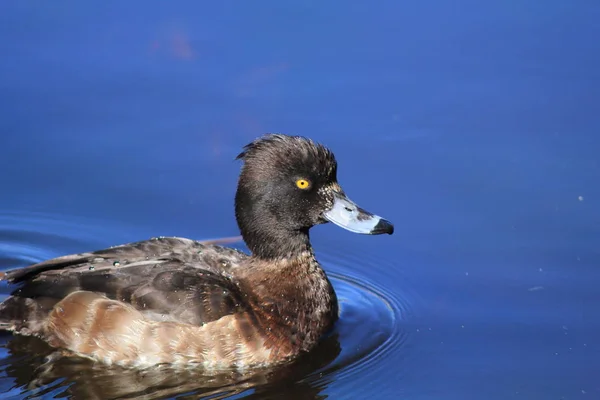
372 324
372 318
32 237
28 238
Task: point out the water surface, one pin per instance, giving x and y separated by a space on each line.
472 126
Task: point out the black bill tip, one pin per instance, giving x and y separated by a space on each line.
383 226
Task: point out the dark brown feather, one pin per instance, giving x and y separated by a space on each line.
182 302
187 302
174 284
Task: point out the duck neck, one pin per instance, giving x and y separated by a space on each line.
277 244
293 297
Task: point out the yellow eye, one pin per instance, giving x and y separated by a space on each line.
302 184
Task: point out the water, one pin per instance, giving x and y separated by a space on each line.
472 126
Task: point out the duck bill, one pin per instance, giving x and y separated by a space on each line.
346 214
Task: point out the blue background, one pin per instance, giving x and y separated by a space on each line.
473 126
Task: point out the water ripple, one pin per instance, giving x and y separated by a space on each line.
373 317
27 238
371 326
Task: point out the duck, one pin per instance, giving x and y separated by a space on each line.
188 303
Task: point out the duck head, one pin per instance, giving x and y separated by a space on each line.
287 185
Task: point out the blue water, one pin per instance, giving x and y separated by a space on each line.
473 126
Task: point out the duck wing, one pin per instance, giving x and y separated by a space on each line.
166 279
204 255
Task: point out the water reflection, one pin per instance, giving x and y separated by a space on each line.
38 369
369 328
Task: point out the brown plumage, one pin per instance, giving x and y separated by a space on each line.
182 302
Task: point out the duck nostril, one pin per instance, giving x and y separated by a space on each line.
348 209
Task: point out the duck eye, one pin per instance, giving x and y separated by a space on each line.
302 184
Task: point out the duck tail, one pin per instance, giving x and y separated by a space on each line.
23 315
